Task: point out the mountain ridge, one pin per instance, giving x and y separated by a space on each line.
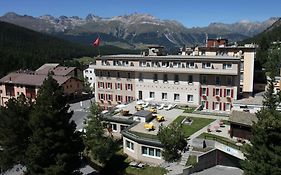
135 30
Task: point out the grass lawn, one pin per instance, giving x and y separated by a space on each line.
222 140
147 170
192 160
189 109
197 124
85 60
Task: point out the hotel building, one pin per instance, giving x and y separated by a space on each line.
209 80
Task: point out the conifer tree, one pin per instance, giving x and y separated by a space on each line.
14 131
100 146
55 146
263 156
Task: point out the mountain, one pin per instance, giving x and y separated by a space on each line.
265 40
135 30
22 48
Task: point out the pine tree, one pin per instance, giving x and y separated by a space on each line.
173 140
263 156
55 146
14 131
100 146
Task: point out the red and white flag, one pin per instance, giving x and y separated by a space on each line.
97 42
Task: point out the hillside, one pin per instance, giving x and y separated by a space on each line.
264 40
22 48
135 30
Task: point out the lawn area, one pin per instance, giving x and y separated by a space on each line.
149 136
197 124
84 60
147 170
189 109
222 140
192 160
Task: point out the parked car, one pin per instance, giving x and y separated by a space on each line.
153 110
161 106
160 118
169 107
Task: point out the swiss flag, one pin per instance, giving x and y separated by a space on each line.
97 42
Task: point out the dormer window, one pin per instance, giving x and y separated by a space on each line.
206 65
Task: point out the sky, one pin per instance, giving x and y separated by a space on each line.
190 13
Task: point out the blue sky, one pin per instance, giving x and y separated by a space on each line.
190 13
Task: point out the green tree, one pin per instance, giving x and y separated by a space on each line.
55 146
14 131
263 156
100 146
173 140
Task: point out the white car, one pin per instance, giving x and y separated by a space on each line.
161 106
170 106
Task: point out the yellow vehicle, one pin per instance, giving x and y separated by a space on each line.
153 110
149 126
160 118
138 107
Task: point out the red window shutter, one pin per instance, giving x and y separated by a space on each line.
126 99
213 105
224 93
115 85
126 88
105 96
220 106
110 85
220 92
214 91
131 86
231 93
116 98
121 98
99 96
121 86
200 91
223 106
106 85
207 91
207 105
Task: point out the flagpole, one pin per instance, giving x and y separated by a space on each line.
99 46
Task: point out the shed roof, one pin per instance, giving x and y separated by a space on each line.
244 118
143 113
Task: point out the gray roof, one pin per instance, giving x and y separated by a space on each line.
30 79
256 100
143 113
173 57
57 70
244 118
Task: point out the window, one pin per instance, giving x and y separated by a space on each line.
217 92
129 145
86 71
217 106
1 91
227 66
228 92
114 127
176 97
140 77
165 78
140 95
142 64
189 98
176 79
153 152
204 79
90 71
227 106
122 127
155 78
102 96
190 79
129 75
176 64
119 86
151 94
109 85
241 76
165 64
125 63
129 87
119 98
109 97
118 74
129 98
204 104
206 65
164 96
218 80
190 65
103 62
204 91
229 81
